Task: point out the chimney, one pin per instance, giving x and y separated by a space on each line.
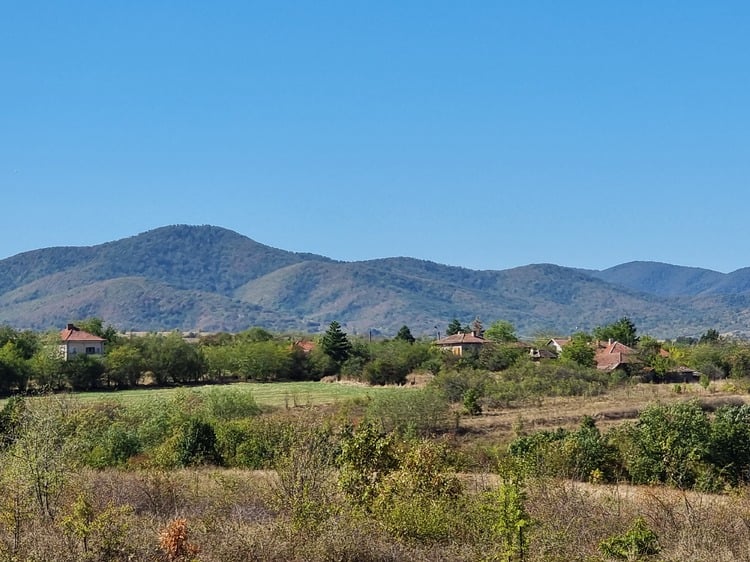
71 327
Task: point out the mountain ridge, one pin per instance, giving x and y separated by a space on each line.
210 278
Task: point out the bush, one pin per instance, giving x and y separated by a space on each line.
254 443
413 412
666 444
229 403
367 455
639 540
197 444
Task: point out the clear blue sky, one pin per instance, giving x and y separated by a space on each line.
482 134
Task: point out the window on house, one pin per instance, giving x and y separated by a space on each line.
90 350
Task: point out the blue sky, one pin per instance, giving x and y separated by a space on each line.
482 134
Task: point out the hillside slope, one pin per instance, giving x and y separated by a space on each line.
210 278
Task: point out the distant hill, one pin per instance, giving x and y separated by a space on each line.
210 278
661 278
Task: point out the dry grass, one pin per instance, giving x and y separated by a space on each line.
228 516
233 515
610 409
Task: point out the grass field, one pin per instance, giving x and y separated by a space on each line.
273 395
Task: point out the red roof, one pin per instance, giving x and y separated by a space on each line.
461 339
305 345
614 354
74 334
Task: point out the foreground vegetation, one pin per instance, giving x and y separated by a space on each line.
485 457
209 475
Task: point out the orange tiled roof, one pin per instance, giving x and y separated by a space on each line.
74 334
461 338
609 356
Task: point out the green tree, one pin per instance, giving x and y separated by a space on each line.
124 365
501 331
47 368
454 328
96 326
83 372
667 444
197 444
650 353
26 343
255 334
404 334
170 358
367 455
711 336
14 369
336 344
579 350
623 331
498 356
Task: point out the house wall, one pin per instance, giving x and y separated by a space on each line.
73 348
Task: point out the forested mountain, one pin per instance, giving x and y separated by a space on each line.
210 278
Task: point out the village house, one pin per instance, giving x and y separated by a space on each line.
614 355
74 341
460 343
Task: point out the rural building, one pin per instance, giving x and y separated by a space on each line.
459 343
75 342
614 355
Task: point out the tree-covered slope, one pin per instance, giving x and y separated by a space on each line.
661 278
210 278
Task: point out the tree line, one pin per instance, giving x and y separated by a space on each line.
30 360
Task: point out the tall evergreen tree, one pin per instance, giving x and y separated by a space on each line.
404 334
623 330
454 328
335 343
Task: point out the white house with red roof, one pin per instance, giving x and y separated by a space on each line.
75 342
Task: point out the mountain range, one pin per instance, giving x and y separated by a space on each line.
207 278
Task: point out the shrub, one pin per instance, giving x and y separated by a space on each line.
174 542
197 444
253 443
588 455
421 499
666 444
471 402
638 541
303 488
367 455
229 403
413 412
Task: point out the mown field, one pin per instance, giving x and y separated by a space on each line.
266 395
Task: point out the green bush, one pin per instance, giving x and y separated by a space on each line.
667 444
226 403
118 444
588 455
254 443
196 444
412 412
367 455
471 402
638 541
